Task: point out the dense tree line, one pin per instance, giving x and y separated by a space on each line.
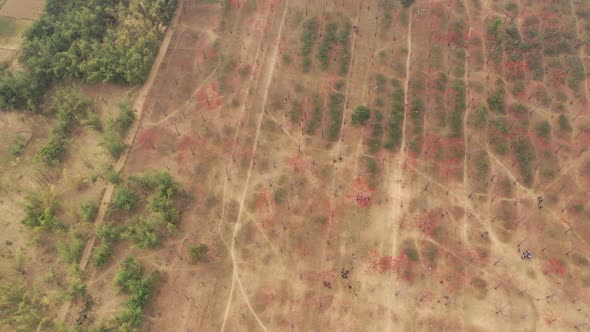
87 40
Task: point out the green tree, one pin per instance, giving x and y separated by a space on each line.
361 115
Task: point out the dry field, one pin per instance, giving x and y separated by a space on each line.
476 153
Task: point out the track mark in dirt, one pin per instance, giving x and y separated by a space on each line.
235 274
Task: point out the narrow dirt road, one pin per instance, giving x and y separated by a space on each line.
397 173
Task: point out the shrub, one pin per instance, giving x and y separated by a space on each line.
16 149
40 211
143 232
51 153
70 250
125 199
108 236
88 210
361 115
198 254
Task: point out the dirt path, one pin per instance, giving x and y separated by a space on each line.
396 177
465 237
139 106
235 274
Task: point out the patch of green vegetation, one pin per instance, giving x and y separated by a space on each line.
481 117
108 236
198 254
482 166
361 115
343 42
23 311
132 280
70 249
525 155
163 189
412 253
125 199
308 39
544 130
458 110
564 123
335 109
40 211
88 210
279 195
374 140
315 119
143 232
396 118
71 108
493 29
330 39
496 102
296 112
372 166
117 129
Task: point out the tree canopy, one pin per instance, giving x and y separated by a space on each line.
87 40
